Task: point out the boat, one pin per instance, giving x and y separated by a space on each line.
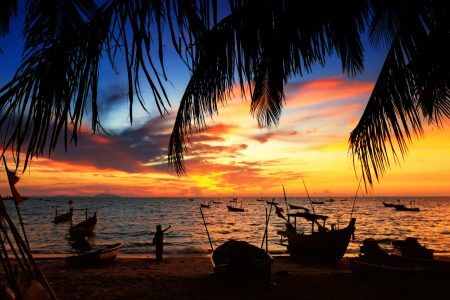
104 255
235 209
330 200
405 208
217 202
191 199
272 202
66 217
376 264
322 245
393 204
83 229
202 205
411 248
242 263
317 202
260 200
233 200
292 206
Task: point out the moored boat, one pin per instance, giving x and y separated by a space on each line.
389 204
317 202
235 209
292 206
403 207
83 229
242 263
376 264
324 245
411 248
104 255
205 205
66 217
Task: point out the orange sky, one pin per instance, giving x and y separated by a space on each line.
235 157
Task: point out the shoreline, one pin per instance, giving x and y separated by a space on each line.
192 277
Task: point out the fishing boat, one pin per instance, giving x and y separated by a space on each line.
402 207
411 248
330 200
66 217
272 202
242 263
104 255
389 204
260 200
322 245
202 205
235 209
317 202
83 229
292 206
376 264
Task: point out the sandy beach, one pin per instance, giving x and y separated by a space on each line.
191 277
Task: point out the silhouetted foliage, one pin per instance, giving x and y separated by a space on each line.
258 46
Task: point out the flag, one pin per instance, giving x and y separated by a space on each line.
279 212
13 179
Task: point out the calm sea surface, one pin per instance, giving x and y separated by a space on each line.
131 221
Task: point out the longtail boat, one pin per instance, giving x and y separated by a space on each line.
376 264
389 204
242 263
324 245
235 209
83 229
405 208
104 255
317 202
411 248
292 206
66 217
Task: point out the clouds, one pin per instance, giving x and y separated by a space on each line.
232 154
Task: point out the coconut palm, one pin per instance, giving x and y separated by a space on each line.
257 46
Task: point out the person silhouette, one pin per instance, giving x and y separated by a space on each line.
158 241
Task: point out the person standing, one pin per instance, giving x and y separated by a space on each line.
158 241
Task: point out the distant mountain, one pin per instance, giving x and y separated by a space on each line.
106 196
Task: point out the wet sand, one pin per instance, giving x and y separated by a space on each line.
192 278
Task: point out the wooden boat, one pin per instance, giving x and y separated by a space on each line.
235 209
411 248
405 208
205 205
242 263
317 202
292 206
217 202
105 255
389 204
272 202
324 245
63 217
83 229
260 200
374 263
330 200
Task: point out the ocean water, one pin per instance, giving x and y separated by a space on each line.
132 221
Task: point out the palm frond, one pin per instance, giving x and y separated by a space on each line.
8 11
261 44
413 84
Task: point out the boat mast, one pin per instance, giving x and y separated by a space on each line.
354 200
310 202
285 200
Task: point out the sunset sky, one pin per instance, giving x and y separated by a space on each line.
233 156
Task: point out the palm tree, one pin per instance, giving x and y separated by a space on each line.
258 46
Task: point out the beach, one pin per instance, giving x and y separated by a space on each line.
192 277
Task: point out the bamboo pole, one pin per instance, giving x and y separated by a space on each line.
267 224
15 204
285 200
207 232
354 200
21 243
307 193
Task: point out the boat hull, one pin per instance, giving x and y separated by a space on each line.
103 256
403 271
246 265
63 218
83 229
235 209
322 247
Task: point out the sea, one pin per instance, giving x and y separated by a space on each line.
132 222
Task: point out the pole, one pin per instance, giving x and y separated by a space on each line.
354 200
267 232
17 207
21 243
285 200
310 202
207 232
267 224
